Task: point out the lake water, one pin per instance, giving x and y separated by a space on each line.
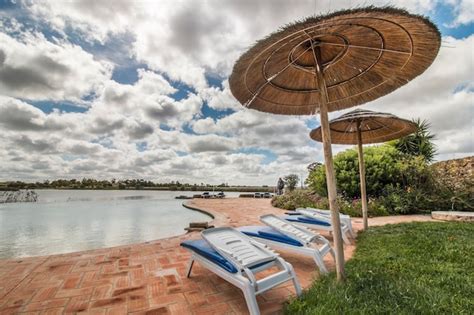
65 221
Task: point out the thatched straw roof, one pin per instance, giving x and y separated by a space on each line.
366 53
375 127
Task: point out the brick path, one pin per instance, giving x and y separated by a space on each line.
147 278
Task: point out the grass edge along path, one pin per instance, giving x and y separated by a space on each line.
408 268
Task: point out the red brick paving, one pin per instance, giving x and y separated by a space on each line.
147 278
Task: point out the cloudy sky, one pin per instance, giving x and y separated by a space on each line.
138 89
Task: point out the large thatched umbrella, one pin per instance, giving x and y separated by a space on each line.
331 62
363 127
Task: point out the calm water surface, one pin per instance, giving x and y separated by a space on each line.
65 221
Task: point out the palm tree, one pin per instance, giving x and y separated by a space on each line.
419 143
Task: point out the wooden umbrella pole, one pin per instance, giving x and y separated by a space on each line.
363 191
330 177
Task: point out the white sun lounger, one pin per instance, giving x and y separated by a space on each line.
280 234
237 258
346 219
317 222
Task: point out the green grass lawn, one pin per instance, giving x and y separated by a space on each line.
411 268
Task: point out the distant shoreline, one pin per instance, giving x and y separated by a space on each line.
185 189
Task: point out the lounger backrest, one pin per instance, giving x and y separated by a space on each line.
320 211
300 233
326 213
314 215
237 247
314 211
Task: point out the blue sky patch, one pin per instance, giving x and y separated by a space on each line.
215 82
312 122
444 17
216 114
141 146
127 73
165 127
71 157
63 106
183 90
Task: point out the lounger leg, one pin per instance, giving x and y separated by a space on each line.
296 283
251 299
351 231
332 254
190 266
345 239
320 263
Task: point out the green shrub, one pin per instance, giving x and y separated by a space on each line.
397 183
316 180
376 208
352 208
409 200
385 166
295 199
382 165
305 198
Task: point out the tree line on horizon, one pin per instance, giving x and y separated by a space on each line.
90 183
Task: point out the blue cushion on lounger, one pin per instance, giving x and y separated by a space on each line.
269 233
204 249
303 219
292 213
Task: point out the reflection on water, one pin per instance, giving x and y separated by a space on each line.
134 197
105 198
70 220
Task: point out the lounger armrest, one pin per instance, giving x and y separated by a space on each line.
302 234
271 281
264 247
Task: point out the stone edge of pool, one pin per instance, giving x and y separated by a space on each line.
184 204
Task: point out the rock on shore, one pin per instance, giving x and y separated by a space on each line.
26 195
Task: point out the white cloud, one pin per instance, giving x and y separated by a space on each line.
211 143
444 95
141 129
35 68
36 145
87 16
463 12
142 106
188 39
154 157
203 126
173 113
220 98
17 115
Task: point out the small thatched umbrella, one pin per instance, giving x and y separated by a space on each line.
331 62
363 127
